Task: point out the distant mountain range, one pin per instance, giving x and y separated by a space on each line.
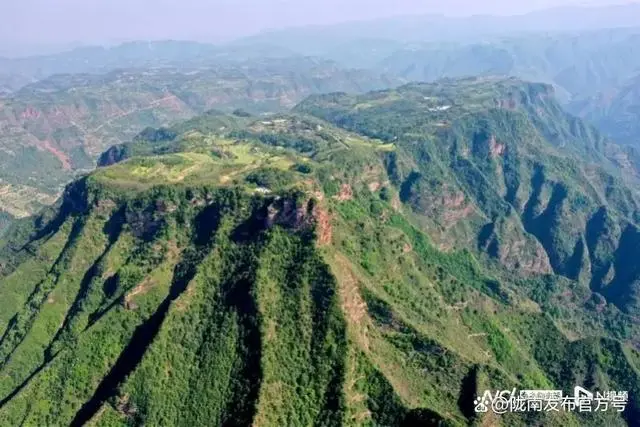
97 59
319 40
615 111
577 64
382 35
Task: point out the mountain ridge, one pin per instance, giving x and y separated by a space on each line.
373 259
578 64
64 122
437 28
515 159
214 259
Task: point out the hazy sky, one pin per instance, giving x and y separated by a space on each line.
33 22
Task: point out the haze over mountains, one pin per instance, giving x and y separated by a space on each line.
615 110
437 28
362 224
68 22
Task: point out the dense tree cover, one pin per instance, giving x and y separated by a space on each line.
270 178
389 283
496 162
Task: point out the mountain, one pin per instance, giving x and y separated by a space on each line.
578 64
318 40
499 165
54 129
287 270
615 111
9 83
137 54
356 43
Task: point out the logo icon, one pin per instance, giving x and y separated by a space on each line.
481 405
580 393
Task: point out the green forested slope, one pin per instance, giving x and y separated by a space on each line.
288 272
498 165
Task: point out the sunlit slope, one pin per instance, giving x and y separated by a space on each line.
277 275
497 165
